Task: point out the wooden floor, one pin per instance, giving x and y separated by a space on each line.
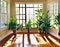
34 40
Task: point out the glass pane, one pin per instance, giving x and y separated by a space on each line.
20 21
28 17
27 5
23 10
31 5
6 18
20 10
4 4
23 22
23 5
31 10
40 6
23 16
2 19
28 10
17 21
17 5
35 9
17 10
31 16
17 16
20 16
3 10
35 5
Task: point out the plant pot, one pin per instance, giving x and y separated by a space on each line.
14 33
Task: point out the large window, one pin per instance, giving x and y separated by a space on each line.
24 12
3 13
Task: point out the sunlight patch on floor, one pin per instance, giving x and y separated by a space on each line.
8 42
54 40
25 39
46 39
33 39
19 39
41 40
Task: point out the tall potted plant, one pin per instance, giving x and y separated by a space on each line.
57 22
43 21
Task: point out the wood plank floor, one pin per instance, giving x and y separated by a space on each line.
34 40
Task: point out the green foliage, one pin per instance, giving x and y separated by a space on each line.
28 24
43 21
12 24
33 25
20 27
57 19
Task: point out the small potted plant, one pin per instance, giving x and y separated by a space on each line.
57 22
28 27
12 25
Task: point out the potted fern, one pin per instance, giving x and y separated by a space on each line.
12 25
57 22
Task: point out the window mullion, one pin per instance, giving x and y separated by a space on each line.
25 14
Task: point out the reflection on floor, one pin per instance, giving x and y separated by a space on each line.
36 40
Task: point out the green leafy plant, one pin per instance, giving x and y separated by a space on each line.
28 25
57 21
43 21
12 24
20 27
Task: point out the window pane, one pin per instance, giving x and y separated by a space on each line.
31 5
17 21
28 17
40 6
5 18
17 5
20 10
35 9
20 21
17 16
35 5
31 16
5 4
28 10
27 5
23 22
23 10
23 5
31 10
23 16
20 16
17 10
